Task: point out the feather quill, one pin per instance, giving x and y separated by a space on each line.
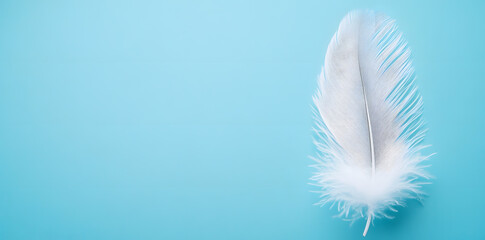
368 121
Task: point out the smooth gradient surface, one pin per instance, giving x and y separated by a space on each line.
192 119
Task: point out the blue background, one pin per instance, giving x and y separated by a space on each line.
192 119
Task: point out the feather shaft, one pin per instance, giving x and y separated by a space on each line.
371 141
367 226
369 127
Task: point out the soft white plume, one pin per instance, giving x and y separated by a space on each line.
369 125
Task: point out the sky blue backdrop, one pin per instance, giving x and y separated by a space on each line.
192 119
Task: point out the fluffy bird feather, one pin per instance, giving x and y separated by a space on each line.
368 120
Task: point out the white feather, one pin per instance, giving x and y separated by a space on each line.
369 124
